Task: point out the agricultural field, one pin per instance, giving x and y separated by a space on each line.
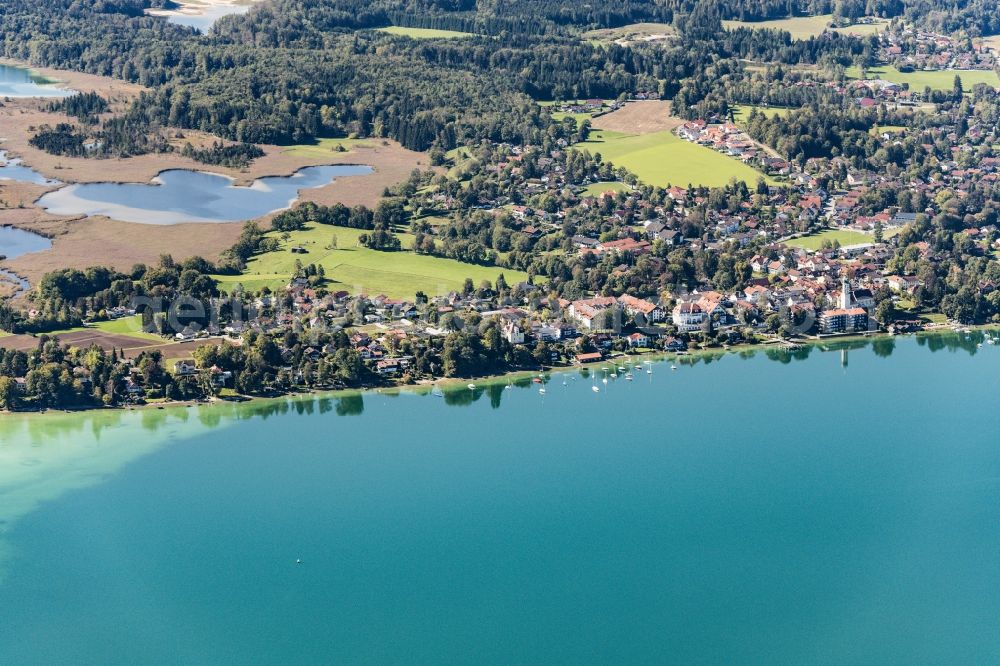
942 79
361 270
742 111
424 33
800 27
842 236
663 159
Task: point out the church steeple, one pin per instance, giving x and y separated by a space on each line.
845 294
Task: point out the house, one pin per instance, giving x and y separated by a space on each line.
512 332
638 340
185 367
592 357
587 310
635 306
688 317
674 344
902 283
842 320
218 376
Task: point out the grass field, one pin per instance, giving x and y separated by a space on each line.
804 27
942 79
800 27
560 116
128 326
600 188
741 111
360 270
425 33
891 129
863 29
326 147
663 159
844 237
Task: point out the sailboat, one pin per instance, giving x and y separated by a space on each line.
472 387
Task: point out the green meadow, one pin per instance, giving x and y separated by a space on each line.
842 236
424 33
360 270
800 27
128 326
742 111
322 148
663 159
941 79
596 189
804 27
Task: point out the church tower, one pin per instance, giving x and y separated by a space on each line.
845 295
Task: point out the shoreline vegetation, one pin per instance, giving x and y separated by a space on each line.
524 377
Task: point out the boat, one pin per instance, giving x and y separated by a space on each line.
605 380
628 376
542 391
673 367
437 392
537 380
649 372
472 387
638 367
595 389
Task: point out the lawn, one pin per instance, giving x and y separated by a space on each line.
424 33
878 130
127 326
559 116
942 79
844 237
326 147
800 27
663 159
864 29
742 111
596 189
360 270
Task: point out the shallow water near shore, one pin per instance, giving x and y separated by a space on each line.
180 195
829 504
16 242
204 16
12 169
20 82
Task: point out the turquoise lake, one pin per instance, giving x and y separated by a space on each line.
181 195
828 506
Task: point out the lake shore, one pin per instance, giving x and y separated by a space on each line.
525 377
